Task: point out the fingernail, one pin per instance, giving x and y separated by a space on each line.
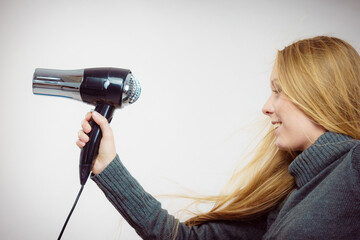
87 129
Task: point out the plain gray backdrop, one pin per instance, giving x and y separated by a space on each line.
204 67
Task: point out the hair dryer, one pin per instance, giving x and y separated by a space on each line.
106 88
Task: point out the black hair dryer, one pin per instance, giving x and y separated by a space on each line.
106 88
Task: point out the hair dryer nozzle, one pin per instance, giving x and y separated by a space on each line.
62 83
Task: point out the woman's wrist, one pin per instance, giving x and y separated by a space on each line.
100 165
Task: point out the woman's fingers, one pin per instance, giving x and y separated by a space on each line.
103 123
88 116
86 126
83 137
85 123
107 151
80 144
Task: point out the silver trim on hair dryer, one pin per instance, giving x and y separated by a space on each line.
131 90
62 83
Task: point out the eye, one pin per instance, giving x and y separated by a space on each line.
276 90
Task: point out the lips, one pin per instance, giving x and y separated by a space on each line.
276 124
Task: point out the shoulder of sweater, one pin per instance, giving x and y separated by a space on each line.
355 156
354 174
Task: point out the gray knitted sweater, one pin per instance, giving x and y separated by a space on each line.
324 205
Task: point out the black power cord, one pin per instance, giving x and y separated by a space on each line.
72 209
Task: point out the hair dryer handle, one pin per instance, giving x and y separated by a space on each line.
90 151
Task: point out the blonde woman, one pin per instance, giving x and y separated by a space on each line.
305 173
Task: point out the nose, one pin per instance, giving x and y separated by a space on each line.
268 107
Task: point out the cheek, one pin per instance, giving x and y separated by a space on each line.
284 108
294 119
289 136
297 130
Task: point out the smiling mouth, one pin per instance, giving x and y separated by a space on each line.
276 125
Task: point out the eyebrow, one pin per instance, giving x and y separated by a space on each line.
274 82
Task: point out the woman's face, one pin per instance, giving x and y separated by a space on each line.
293 129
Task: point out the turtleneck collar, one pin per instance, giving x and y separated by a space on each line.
324 151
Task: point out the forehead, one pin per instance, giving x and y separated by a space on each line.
274 72
274 82
274 77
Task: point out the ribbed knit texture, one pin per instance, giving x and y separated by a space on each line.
323 152
144 213
325 204
133 200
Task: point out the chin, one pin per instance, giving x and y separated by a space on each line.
279 144
280 147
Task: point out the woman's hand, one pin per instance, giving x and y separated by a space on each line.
107 151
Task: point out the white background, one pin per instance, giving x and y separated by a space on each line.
204 67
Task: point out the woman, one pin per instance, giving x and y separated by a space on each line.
305 173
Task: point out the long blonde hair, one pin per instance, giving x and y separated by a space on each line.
321 76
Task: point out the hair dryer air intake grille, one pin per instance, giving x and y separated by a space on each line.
134 90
